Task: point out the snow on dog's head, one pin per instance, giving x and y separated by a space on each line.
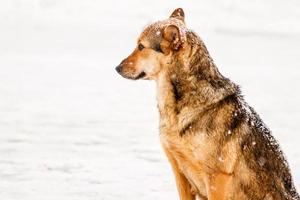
155 48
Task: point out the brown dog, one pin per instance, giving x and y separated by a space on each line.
217 145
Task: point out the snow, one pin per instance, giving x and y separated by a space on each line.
261 161
72 128
221 159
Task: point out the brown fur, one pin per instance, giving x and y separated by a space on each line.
217 145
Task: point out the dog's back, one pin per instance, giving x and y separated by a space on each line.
262 171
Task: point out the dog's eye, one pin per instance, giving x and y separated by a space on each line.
141 47
157 48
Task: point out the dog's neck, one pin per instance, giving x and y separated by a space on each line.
191 82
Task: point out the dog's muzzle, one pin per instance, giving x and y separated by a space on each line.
119 69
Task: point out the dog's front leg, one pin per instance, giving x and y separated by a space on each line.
218 186
183 186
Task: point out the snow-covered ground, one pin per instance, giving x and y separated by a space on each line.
71 128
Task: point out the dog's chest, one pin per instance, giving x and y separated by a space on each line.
189 149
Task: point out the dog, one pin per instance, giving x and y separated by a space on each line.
217 145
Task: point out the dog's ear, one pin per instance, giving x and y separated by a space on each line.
172 34
178 14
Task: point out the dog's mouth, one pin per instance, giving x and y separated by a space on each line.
140 76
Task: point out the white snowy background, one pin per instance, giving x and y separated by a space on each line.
71 128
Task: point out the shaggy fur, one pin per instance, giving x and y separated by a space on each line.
217 145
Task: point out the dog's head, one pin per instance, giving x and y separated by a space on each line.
155 48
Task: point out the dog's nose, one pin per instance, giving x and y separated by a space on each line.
119 68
